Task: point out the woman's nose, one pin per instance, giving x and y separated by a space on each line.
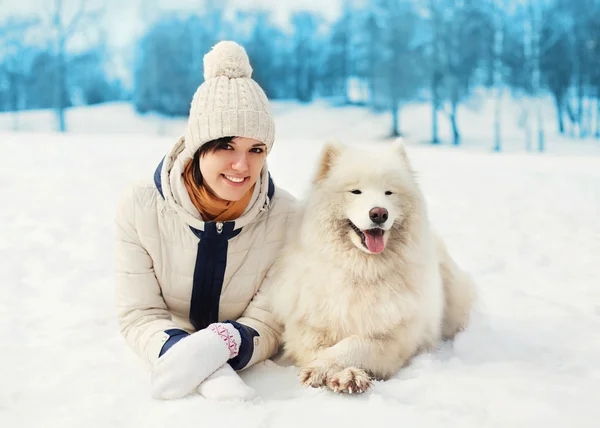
240 163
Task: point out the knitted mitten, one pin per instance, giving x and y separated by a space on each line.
193 359
225 384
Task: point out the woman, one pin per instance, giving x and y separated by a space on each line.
194 247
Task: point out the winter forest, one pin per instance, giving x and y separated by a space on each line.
382 55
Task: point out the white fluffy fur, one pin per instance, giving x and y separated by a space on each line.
227 59
350 316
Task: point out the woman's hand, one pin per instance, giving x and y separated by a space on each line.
225 384
193 359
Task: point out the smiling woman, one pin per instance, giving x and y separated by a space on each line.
193 249
228 168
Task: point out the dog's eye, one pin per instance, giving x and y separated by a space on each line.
388 193
355 192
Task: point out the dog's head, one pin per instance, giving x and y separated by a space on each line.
367 192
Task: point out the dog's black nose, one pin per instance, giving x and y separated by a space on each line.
378 215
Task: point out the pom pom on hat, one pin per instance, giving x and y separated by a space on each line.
227 59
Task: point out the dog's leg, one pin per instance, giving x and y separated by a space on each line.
349 364
319 372
304 345
339 379
459 293
351 380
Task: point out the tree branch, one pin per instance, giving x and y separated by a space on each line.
557 35
79 15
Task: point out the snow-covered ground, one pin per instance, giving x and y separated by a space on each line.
321 120
526 225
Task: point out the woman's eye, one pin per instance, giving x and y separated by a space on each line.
388 193
355 192
257 150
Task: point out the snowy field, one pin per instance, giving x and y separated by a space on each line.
526 225
319 121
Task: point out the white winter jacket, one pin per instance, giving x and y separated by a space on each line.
175 273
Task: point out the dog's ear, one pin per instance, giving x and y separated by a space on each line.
331 151
399 147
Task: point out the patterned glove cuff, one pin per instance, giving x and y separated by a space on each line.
230 336
246 347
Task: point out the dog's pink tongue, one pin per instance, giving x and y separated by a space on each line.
374 240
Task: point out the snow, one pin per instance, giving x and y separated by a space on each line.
323 120
525 225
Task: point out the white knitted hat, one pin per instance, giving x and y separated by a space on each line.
229 103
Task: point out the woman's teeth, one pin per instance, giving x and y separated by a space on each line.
234 179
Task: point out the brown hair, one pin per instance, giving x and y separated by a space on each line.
209 147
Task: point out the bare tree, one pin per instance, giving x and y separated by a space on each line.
459 36
498 6
535 47
397 60
67 19
453 64
436 65
305 25
15 62
535 19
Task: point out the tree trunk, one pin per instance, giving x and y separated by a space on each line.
540 128
590 116
346 63
536 28
435 106
13 98
455 133
454 119
498 121
395 120
498 81
580 106
528 53
436 75
434 124
597 135
18 104
61 87
15 107
558 100
372 68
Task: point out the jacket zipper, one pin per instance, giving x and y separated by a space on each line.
209 279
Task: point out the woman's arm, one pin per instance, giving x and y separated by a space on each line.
258 316
141 311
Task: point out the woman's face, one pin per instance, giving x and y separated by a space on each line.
234 168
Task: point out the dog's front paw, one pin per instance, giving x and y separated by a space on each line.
351 380
315 375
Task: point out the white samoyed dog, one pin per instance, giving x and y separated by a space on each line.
363 283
